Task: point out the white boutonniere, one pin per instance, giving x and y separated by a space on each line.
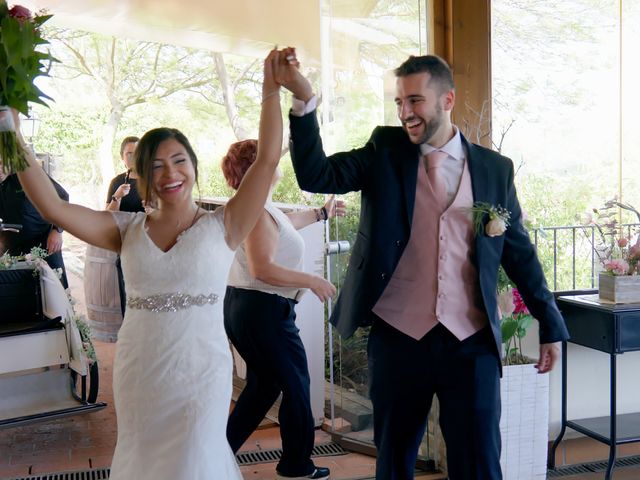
491 219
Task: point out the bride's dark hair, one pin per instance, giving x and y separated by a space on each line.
146 151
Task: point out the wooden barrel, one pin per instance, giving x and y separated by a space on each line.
102 293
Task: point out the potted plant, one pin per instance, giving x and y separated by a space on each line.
617 248
524 422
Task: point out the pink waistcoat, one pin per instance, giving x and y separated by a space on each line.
435 280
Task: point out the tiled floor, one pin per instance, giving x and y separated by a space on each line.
88 441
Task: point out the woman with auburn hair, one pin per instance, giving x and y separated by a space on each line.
173 368
265 283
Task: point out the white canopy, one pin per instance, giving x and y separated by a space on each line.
248 27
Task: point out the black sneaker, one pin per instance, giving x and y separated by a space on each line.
320 473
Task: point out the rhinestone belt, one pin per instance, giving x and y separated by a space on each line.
170 302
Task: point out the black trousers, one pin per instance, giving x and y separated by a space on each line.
262 328
465 375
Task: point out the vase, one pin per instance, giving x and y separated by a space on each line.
619 288
524 423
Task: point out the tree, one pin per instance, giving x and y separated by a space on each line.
127 73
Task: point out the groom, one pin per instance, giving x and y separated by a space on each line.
420 274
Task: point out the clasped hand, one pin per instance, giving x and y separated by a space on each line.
282 68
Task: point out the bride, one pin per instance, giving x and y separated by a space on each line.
172 370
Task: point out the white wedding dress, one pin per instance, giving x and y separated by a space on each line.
172 376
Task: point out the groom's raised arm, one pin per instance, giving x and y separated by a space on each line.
316 172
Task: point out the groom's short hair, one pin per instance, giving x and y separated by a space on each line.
435 66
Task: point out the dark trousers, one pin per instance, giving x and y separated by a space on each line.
262 328
406 373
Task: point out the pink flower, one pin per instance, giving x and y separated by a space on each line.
20 13
519 306
634 252
506 304
623 242
616 267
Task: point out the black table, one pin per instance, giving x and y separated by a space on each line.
613 329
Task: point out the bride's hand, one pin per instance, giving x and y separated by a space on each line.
270 86
288 75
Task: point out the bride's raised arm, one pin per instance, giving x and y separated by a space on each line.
243 209
95 227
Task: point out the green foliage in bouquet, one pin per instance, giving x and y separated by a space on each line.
20 64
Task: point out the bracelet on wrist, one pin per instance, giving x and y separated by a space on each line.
270 94
115 199
324 213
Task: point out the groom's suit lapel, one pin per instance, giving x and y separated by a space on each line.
480 185
479 173
407 160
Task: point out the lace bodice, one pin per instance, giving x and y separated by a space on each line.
197 264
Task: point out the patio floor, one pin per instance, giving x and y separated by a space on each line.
87 441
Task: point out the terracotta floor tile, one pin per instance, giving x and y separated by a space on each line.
59 466
101 461
14 471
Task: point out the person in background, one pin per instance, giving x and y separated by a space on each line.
265 283
15 207
123 196
123 192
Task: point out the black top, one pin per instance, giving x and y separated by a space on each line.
15 207
131 202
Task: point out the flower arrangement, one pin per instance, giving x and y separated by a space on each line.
515 320
490 219
20 64
9 261
85 332
618 254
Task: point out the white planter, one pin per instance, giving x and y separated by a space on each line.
524 423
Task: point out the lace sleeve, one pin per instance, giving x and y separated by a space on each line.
123 220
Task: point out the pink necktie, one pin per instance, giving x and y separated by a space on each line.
435 160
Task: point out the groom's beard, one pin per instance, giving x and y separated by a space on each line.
430 126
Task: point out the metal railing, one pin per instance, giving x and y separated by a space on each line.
568 256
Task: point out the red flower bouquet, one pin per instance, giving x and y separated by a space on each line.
20 64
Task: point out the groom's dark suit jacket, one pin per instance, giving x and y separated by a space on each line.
385 171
